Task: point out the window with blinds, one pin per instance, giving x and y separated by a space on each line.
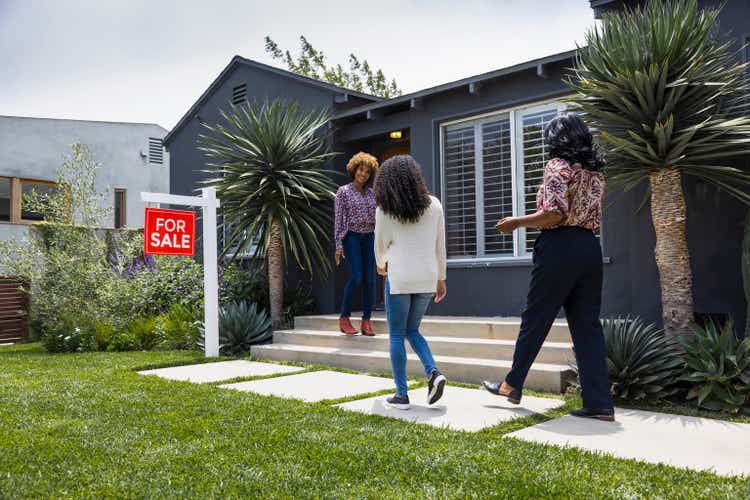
492 168
497 169
534 156
460 195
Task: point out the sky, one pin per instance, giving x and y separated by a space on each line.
149 60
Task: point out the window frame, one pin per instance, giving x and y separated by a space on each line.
514 114
123 209
17 191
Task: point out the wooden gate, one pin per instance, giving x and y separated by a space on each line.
13 307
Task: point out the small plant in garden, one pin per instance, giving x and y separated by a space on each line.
179 327
642 362
718 367
241 326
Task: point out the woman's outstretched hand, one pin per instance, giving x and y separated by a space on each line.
442 291
339 255
507 225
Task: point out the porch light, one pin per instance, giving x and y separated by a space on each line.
396 134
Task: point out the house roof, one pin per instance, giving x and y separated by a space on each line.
238 60
472 80
80 120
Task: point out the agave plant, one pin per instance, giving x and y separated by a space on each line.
241 326
718 367
642 362
669 98
267 167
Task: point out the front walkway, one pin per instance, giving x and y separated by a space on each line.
699 444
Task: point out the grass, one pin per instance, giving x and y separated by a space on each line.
87 425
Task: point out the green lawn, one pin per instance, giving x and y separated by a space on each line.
84 425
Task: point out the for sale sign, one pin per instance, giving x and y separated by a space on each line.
169 232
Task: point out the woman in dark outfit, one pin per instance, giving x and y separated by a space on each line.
567 266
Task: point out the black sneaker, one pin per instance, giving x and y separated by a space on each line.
398 402
605 415
435 386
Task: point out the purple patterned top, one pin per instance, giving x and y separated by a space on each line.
355 212
573 192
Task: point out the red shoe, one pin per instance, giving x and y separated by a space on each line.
367 328
345 325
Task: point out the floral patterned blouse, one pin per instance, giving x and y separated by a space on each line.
574 192
355 212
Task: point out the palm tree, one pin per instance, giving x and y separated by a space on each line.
268 172
669 100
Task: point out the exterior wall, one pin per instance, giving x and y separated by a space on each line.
187 161
34 148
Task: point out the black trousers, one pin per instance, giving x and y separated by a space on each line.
567 273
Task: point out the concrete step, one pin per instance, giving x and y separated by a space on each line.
552 352
542 376
442 326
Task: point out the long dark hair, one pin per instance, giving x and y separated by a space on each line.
569 138
400 190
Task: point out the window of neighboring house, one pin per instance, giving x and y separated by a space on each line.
227 234
43 189
120 208
5 187
491 168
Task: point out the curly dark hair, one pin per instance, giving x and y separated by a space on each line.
400 190
569 138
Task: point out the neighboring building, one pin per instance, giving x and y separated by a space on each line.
131 155
479 141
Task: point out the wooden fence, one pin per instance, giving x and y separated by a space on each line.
13 307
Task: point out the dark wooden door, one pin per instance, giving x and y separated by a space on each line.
13 307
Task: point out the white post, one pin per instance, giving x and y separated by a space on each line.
210 274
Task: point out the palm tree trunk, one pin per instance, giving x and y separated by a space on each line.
746 272
276 275
668 215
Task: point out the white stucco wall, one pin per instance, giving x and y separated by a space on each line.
34 148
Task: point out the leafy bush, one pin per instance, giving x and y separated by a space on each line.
642 362
105 332
241 326
138 334
70 336
179 328
718 367
238 284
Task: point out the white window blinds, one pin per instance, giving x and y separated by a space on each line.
498 185
460 192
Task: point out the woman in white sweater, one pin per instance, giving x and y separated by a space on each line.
410 251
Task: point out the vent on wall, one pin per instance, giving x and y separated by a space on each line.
239 94
155 150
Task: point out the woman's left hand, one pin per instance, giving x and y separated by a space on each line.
507 225
442 291
382 272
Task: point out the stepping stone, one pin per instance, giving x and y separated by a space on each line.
221 370
701 444
459 409
315 386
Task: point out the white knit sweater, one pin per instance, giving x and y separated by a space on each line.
415 252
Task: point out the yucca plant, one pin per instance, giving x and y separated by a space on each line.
718 367
642 362
241 326
669 98
267 167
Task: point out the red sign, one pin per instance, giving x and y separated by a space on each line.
169 232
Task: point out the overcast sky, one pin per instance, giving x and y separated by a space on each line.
149 60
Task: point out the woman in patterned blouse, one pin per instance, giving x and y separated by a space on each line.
354 235
567 266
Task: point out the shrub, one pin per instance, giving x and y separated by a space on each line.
238 284
718 367
642 362
138 334
105 332
241 326
179 328
70 335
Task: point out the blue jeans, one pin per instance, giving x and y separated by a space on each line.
405 313
359 253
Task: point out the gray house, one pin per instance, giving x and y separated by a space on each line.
479 141
132 160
